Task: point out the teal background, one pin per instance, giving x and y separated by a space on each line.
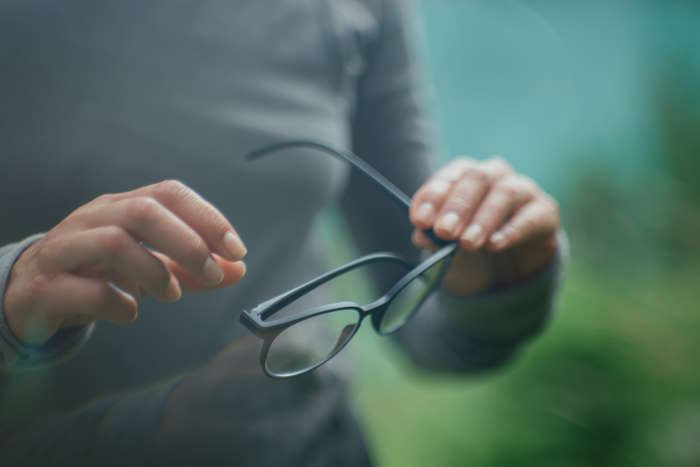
599 102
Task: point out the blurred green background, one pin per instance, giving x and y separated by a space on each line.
600 102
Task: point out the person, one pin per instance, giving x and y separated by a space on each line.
124 188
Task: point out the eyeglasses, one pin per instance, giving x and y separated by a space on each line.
301 341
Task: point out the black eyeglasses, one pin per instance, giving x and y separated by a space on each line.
298 342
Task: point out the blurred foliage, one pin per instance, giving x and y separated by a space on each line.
613 381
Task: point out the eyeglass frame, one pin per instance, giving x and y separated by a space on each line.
255 319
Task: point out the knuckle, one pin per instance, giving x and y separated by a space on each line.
214 218
476 173
114 239
556 214
436 188
171 189
509 187
487 222
528 224
459 202
78 216
142 209
499 162
550 203
528 183
496 167
196 251
512 231
105 198
39 286
46 251
454 170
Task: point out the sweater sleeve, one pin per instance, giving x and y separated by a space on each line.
470 334
15 355
392 132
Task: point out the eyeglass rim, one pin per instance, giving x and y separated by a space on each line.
257 319
267 343
269 331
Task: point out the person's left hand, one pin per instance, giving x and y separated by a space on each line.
506 226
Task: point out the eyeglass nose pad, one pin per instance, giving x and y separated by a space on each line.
344 336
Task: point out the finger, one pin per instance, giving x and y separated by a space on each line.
460 205
199 214
431 195
537 218
421 240
233 273
123 283
112 253
148 220
80 299
454 170
423 206
502 200
127 285
466 195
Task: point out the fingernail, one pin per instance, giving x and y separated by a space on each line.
448 222
498 238
245 268
212 272
472 233
174 291
425 213
234 245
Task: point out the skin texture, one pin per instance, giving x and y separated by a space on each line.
506 225
94 265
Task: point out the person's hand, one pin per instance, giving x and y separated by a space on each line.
95 264
506 226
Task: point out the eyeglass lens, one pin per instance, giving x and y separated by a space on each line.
410 298
310 342
306 344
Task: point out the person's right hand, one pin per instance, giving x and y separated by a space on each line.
95 264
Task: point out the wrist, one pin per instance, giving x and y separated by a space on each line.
523 262
19 314
20 354
469 274
19 318
474 273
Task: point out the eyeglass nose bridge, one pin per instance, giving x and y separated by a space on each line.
375 310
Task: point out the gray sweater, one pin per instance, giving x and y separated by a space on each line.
107 96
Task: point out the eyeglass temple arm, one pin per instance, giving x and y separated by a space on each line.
353 159
288 297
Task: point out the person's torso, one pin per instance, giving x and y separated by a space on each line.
108 96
